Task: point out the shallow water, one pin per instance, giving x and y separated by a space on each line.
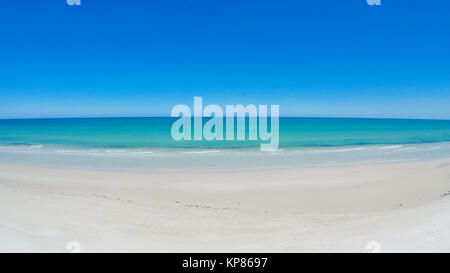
188 160
145 144
156 133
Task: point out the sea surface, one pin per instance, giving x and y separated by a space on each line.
145 144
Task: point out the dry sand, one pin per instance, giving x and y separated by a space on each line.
402 207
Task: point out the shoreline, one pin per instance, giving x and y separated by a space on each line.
302 209
210 161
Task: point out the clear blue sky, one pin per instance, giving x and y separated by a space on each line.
139 58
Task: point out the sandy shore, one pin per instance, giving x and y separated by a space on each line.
403 207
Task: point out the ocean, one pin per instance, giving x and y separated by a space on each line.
156 133
145 144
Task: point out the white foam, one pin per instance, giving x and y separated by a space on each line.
406 149
390 147
116 151
202 152
36 146
338 150
145 152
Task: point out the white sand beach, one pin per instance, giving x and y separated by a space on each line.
403 207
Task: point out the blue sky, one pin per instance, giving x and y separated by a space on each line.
139 58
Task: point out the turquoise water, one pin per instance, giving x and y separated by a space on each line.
155 133
146 145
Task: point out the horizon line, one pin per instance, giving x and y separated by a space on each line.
112 117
